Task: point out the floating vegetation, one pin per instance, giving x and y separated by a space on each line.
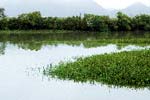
129 69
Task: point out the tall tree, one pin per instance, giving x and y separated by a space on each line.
30 20
2 14
124 22
141 22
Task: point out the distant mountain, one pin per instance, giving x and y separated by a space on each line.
56 7
62 8
132 10
137 8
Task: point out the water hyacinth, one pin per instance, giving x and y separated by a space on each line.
129 69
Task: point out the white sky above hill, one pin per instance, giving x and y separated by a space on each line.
108 4
120 4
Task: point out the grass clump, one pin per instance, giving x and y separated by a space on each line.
129 69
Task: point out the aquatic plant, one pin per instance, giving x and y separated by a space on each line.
130 69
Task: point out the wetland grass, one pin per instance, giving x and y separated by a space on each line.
127 69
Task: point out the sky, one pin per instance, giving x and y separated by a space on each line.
120 4
108 4
60 7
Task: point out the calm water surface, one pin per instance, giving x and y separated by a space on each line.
21 77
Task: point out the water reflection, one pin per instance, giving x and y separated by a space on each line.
89 39
22 58
2 48
21 78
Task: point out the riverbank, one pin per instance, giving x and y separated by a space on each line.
45 31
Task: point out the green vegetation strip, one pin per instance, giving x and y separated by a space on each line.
129 69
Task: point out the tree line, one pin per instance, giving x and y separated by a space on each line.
88 22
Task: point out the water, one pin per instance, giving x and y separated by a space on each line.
21 78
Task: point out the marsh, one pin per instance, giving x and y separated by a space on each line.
23 58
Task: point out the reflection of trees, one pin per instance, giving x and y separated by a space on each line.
37 41
30 45
2 48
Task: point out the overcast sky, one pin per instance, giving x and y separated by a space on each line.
115 4
56 7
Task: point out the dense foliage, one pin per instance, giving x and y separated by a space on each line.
120 69
88 22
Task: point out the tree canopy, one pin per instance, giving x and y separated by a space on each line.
88 22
